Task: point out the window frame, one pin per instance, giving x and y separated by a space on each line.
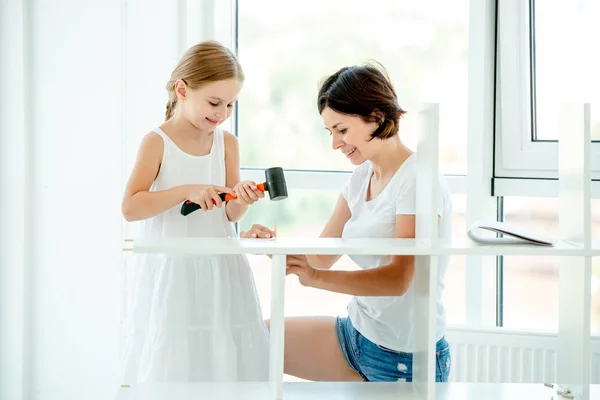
518 154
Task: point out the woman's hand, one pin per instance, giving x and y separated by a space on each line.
247 192
299 266
207 196
258 231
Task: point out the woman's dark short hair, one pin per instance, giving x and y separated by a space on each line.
364 91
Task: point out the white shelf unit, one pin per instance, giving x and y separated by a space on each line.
345 391
574 251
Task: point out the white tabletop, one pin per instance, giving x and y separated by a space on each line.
236 245
343 391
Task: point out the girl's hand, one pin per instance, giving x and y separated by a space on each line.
299 266
247 192
258 231
204 195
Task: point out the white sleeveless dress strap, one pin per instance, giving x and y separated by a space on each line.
167 142
218 169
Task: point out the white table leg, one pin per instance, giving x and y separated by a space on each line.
426 267
574 168
277 326
573 361
424 320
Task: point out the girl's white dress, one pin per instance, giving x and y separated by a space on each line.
192 318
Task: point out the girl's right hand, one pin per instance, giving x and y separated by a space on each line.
258 231
207 196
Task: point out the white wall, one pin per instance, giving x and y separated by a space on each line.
76 138
81 81
61 271
12 197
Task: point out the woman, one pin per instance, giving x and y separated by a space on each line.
375 342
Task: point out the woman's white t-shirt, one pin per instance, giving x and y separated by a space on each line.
387 320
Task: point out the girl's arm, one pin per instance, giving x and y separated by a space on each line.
235 209
139 203
392 279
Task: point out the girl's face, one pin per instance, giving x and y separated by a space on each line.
209 105
350 134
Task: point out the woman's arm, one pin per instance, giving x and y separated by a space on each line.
392 279
333 229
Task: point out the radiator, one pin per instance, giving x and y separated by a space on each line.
508 357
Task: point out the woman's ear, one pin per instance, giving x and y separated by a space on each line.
378 117
180 89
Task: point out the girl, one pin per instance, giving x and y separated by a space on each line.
193 318
375 342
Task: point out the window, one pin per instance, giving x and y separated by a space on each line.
302 214
530 300
455 281
530 284
542 65
574 62
287 48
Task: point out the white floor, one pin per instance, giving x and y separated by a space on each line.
343 391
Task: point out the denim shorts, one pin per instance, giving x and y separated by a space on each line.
375 363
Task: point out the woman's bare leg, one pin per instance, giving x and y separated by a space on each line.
312 350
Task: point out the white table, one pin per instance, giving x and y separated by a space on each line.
344 391
424 386
460 246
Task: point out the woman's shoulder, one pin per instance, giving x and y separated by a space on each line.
406 177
